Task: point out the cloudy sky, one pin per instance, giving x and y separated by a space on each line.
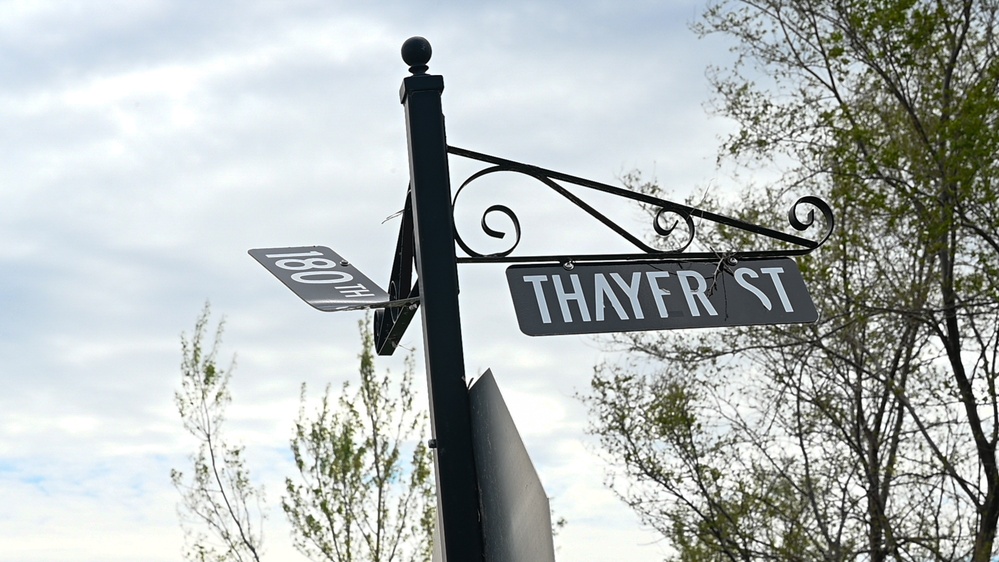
148 144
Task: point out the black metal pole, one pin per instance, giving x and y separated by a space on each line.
450 414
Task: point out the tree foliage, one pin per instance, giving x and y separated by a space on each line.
220 507
358 496
872 434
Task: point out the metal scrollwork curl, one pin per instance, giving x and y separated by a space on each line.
490 231
660 219
809 220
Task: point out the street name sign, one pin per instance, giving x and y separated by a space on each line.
633 296
322 278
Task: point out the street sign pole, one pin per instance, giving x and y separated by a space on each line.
450 416
653 289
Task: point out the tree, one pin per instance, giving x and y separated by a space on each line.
871 434
356 497
221 510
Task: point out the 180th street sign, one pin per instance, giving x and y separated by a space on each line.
625 297
322 278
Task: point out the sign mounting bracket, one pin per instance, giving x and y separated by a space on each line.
390 324
667 219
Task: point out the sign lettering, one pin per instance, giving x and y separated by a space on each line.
322 278
621 297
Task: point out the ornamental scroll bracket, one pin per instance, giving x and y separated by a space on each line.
670 221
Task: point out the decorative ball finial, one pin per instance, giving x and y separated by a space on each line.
416 53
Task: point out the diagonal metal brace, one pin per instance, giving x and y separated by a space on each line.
390 323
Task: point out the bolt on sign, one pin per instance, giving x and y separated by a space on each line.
627 297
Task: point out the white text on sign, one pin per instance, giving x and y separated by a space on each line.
629 296
321 277
319 271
